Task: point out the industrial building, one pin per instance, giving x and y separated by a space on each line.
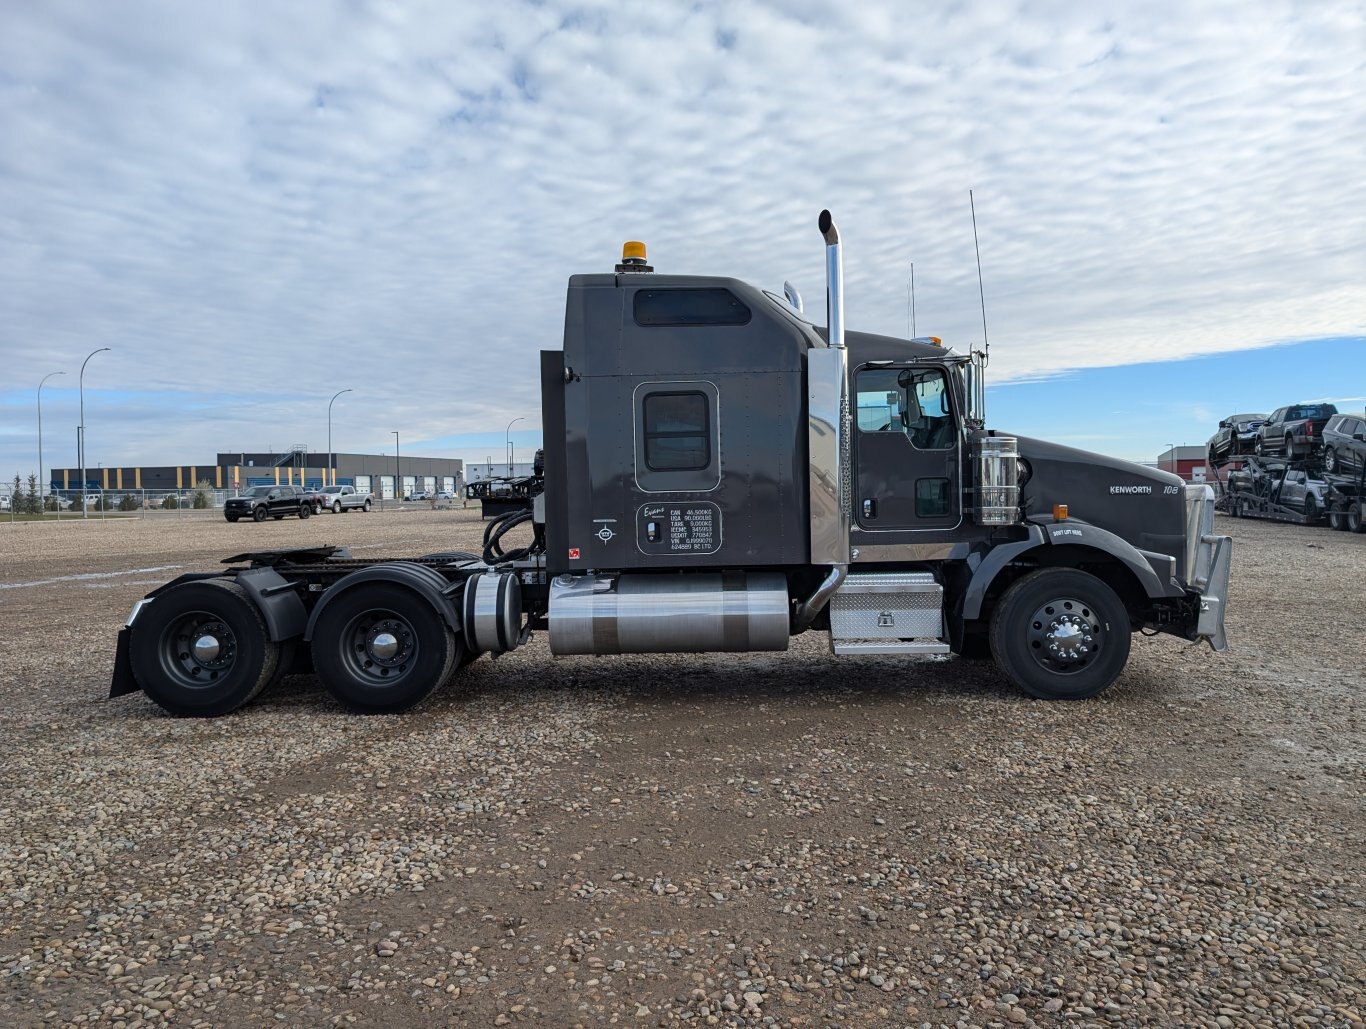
1187 462
368 473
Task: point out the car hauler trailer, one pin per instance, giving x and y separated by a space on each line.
1346 502
720 475
1274 490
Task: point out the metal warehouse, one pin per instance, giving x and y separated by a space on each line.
369 473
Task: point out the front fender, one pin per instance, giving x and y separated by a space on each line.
1068 533
428 584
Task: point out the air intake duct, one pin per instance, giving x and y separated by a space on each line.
997 462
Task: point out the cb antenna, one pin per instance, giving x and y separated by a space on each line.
981 293
910 301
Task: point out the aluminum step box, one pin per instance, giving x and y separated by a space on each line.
888 613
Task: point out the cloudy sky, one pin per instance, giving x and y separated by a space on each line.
256 205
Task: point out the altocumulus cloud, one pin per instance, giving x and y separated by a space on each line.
258 204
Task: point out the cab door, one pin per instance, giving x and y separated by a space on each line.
907 448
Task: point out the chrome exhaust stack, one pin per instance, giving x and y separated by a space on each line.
827 385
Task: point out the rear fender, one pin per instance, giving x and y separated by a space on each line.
278 601
428 584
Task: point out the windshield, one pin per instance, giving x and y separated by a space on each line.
258 491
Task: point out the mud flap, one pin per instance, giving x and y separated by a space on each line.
123 681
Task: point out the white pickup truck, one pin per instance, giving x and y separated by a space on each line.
341 498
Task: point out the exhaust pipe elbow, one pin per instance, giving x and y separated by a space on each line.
826 223
834 280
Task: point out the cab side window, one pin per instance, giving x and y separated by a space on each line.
911 401
677 436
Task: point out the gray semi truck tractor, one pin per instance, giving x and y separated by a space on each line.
721 474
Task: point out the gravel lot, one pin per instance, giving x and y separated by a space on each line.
778 839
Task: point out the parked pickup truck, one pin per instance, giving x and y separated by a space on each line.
1295 431
261 502
339 499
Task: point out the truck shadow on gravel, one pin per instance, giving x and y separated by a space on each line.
640 681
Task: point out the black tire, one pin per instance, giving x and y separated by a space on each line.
1354 523
1060 634
1311 510
305 510
199 683
336 507
1337 519
258 514
366 507
349 657
231 518
1258 449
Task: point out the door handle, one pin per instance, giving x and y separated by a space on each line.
870 509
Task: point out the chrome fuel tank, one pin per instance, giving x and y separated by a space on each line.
664 614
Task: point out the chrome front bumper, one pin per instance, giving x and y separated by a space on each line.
1208 561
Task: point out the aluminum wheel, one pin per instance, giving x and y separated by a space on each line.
1060 634
1065 635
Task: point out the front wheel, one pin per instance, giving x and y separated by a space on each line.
258 514
1311 511
1354 522
1060 634
231 518
382 648
336 507
1330 461
1337 519
1258 449
201 649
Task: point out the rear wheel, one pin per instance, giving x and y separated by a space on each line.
382 648
200 649
1354 518
1060 634
305 510
1337 519
1311 510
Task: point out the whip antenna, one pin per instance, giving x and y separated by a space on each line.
981 293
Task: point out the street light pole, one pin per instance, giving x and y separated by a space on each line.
507 443
42 482
398 471
85 508
330 470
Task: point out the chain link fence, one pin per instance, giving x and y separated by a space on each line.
201 502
